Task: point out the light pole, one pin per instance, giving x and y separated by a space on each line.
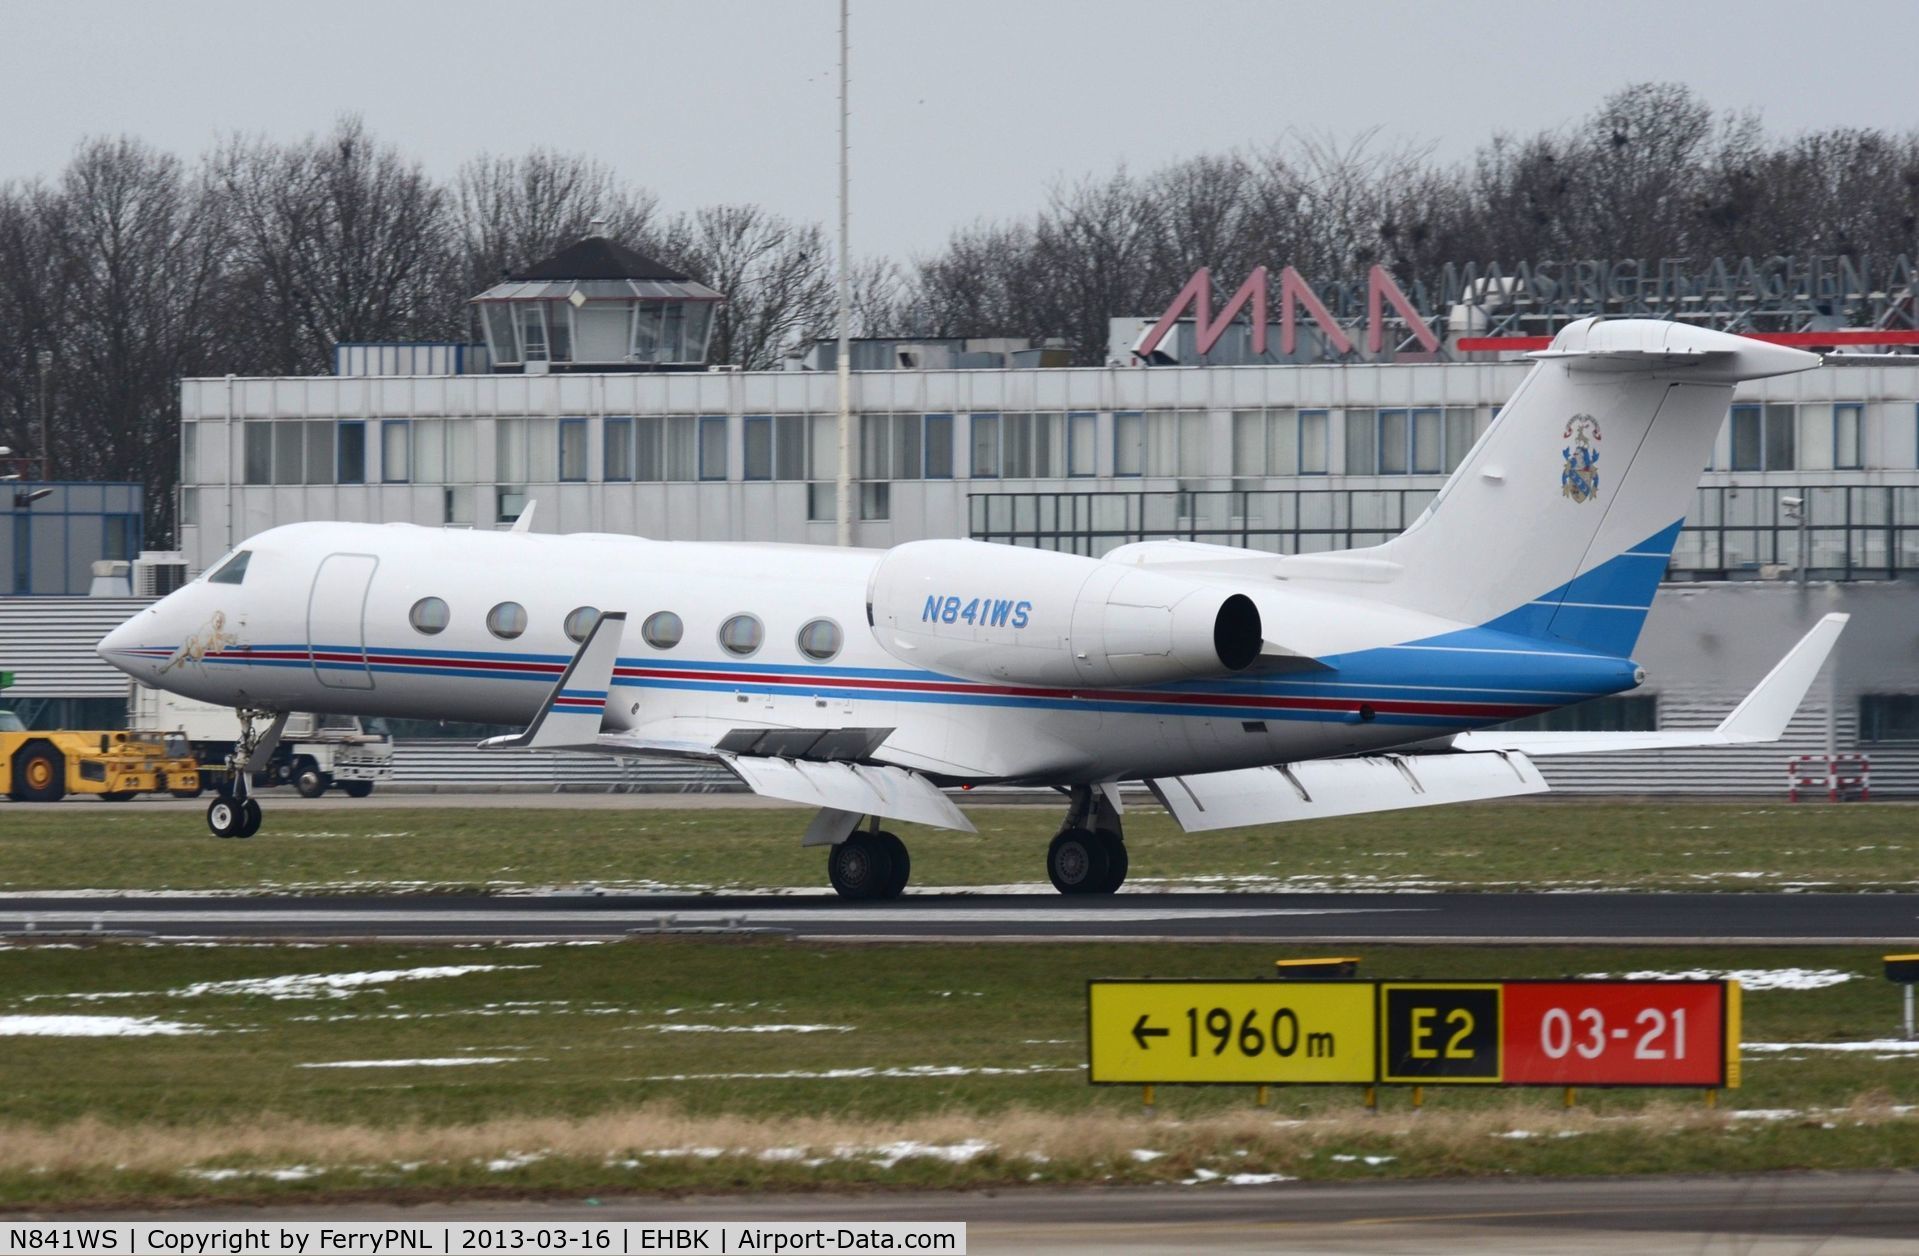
45 358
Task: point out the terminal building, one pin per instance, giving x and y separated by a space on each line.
590 396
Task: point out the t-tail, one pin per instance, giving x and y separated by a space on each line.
1560 522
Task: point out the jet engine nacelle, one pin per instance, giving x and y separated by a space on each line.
1036 617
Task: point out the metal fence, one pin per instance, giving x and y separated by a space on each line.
1847 532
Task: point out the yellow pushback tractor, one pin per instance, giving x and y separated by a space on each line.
46 766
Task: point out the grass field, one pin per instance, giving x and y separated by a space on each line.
1566 844
298 1071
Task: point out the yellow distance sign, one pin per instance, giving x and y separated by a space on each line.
1230 1032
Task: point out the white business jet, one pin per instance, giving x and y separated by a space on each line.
1241 687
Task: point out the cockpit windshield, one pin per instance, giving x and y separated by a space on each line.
232 571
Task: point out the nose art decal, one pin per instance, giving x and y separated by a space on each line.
213 636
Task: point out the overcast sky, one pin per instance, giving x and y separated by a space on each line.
962 110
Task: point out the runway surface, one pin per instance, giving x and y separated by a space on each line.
1829 1213
1854 919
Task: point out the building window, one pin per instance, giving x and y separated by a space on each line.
1362 430
1394 443
820 640
757 446
572 450
319 450
430 616
533 331
352 452
876 500
662 630
429 451
938 442
1082 431
985 447
1846 424
189 506
258 435
506 621
789 446
712 447
1889 717
617 439
1312 442
1763 437
394 443
579 621
741 635
1634 713
1129 443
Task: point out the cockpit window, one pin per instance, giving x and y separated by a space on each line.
232 571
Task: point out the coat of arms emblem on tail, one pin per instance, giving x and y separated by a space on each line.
1580 479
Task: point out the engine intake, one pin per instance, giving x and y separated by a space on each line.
1036 617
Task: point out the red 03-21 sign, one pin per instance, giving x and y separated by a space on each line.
1624 1033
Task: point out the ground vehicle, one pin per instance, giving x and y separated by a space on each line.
315 753
47 766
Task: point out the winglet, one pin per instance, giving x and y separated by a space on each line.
525 522
576 705
1764 713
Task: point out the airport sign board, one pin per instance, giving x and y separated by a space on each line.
1414 1033
1231 1032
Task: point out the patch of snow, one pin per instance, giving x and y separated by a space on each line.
1750 979
749 1029
514 1160
1767 1114
439 1062
1257 1179
1374 1161
336 985
1199 1176
292 1173
92 1027
1146 1155
890 1154
1887 1048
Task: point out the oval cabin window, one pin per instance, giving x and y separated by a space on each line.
580 621
429 615
741 635
506 621
662 630
821 640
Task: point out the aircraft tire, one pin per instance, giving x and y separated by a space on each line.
1077 862
1116 861
250 818
308 778
225 817
860 868
901 861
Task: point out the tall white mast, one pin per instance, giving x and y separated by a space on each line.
843 488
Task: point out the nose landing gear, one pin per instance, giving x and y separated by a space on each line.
234 812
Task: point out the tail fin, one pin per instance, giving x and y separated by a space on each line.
1560 521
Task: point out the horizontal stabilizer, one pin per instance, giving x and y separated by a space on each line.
1322 788
576 705
1761 718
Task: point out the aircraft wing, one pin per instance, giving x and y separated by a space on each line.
1762 717
811 766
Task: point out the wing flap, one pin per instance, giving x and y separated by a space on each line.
864 789
1319 789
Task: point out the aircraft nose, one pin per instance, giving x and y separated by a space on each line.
123 647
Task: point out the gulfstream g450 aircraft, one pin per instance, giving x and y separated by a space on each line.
1242 687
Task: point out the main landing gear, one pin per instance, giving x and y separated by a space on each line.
1088 855
234 812
870 865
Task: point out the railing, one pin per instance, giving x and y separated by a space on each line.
1733 532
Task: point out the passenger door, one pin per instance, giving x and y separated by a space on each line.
336 621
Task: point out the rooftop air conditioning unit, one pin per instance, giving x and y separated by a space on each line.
157 573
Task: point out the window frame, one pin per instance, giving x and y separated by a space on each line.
618 430
357 428
1857 412
707 423
577 426
405 428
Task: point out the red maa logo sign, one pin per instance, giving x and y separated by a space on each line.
1294 293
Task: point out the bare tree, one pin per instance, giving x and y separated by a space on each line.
516 210
339 239
776 275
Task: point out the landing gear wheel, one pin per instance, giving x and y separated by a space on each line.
309 779
1116 861
1078 862
250 818
226 816
356 789
861 867
901 861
